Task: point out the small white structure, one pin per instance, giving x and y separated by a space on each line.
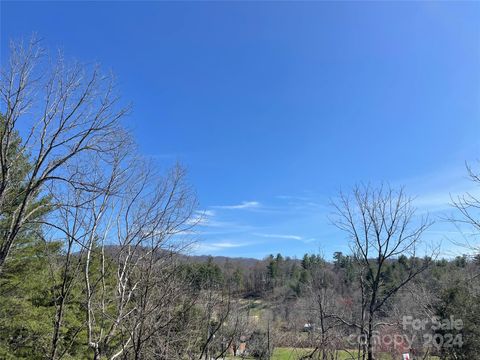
308 327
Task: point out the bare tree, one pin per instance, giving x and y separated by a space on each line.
321 304
120 221
468 206
124 242
143 225
381 225
82 220
64 114
148 247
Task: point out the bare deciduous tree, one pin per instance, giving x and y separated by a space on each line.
64 114
118 219
468 206
381 225
123 241
321 304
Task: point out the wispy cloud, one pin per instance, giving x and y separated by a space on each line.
279 236
434 191
204 247
197 220
441 200
294 203
228 244
208 213
432 203
310 240
242 205
207 222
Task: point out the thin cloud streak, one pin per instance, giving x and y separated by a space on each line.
441 200
242 205
228 245
279 236
217 246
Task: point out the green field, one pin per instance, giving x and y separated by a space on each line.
295 354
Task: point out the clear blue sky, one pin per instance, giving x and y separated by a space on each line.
274 107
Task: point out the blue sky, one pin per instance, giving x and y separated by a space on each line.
274 107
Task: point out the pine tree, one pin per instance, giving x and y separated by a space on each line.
26 311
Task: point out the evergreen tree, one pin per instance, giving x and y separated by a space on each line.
26 280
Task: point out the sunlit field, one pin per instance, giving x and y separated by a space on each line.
286 353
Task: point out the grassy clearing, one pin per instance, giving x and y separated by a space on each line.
295 354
